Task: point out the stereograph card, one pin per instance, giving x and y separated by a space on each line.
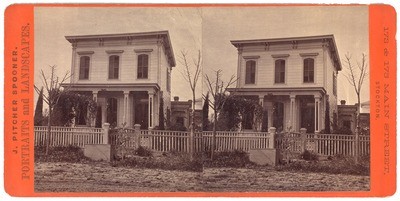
200 100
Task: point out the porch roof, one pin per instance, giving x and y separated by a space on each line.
278 91
111 86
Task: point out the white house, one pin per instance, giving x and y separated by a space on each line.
294 80
126 74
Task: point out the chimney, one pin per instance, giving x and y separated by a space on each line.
343 102
176 98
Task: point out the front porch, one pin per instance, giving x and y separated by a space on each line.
123 106
288 111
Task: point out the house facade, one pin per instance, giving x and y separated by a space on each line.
294 79
126 74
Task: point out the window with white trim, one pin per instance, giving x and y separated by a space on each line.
113 67
280 71
250 77
84 65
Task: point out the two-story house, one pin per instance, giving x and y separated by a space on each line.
126 74
294 80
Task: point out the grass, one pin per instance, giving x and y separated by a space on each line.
72 154
336 165
168 161
234 159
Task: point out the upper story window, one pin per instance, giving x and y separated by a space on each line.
84 64
113 67
250 72
308 71
143 66
280 71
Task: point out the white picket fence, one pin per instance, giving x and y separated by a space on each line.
164 141
65 136
324 144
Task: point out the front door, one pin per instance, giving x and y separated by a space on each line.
112 112
307 117
278 112
142 114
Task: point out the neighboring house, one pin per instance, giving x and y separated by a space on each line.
347 117
126 74
365 107
293 79
180 112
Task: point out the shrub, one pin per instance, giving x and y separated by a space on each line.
143 151
169 161
71 154
309 156
337 165
236 158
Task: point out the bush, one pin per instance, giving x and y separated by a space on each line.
71 154
308 156
143 151
337 165
236 159
169 161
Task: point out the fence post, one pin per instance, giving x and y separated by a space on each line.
303 137
356 145
272 132
106 130
136 131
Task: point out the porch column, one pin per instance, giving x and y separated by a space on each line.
151 109
125 112
93 118
261 101
104 112
317 105
292 111
269 107
95 96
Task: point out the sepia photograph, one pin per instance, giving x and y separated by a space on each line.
266 98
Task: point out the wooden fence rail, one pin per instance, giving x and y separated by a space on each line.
164 141
65 136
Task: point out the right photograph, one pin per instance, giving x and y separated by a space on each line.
286 88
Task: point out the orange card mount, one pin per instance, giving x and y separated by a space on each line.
19 129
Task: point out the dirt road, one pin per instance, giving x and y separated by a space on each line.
101 177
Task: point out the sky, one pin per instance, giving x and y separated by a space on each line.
207 29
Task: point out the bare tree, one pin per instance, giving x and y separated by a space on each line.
217 88
54 90
355 76
191 75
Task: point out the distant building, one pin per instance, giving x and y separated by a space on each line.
180 113
293 78
127 74
347 117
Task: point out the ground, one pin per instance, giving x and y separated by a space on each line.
102 177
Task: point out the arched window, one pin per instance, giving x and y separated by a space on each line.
84 64
308 73
143 66
280 71
113 67
250 72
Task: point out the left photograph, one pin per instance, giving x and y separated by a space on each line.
111 95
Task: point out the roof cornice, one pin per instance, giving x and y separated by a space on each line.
164 35
294 40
